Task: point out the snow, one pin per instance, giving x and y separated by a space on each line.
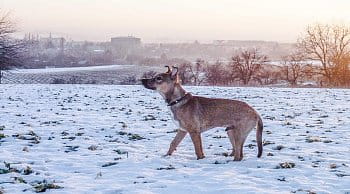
70 69
111 139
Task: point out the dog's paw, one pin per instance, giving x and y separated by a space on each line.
237 159
166 155
200 157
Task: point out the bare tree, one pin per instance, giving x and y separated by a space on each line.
295 68
192 73
184 73
10 50
197 71
246 65
268 75
216 74
330 45
342 72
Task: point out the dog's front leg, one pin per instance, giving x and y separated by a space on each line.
197 142
180 135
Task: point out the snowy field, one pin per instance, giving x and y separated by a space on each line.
110 139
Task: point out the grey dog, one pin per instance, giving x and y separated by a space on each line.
195 114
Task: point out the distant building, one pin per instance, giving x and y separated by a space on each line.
126 41
50 42
125 45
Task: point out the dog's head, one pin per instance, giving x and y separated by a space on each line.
162 82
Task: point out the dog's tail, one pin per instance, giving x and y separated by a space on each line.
259 131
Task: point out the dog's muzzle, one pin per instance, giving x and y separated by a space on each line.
146 84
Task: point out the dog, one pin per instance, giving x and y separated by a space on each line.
196 114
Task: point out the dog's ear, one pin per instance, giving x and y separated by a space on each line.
174 73
169 70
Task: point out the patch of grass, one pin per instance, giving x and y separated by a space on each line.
149 118
2 127
122 133
288 123
93 147
135 137
283 179
270 117
268 132
79 134
28 170
219 137
109 164
4 171
279 147
218 162
121 152
64 133
342 174
250 146
71 149
132 136
303 191
286 165
222 154
266 142
310 139
8 169
170 167
30 136
69 138
309 125
124 125
173 131
43 186
50 122
20 180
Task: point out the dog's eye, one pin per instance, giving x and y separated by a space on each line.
158 78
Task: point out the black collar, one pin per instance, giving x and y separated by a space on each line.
178 100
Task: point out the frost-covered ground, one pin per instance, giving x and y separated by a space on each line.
110 139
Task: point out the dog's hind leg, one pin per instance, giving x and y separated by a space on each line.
239 138
197 142
180 135
229 131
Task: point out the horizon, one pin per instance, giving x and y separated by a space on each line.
204 21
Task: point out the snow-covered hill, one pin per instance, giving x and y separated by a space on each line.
70 69
110 139
107 74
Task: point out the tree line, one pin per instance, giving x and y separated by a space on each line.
321 57
248 68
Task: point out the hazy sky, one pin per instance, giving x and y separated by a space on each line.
170 20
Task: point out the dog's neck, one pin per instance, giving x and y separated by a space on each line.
176 93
